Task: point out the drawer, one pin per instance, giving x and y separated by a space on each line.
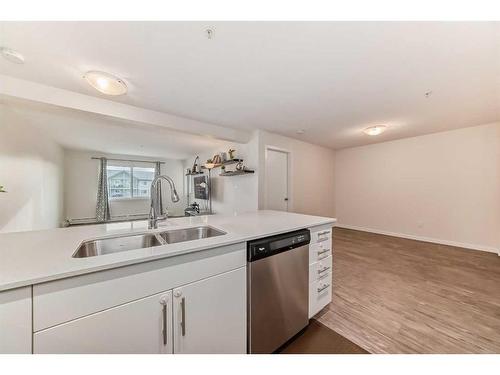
320 294
320 234
319 251
320 269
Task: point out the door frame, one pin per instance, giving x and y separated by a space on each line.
288 174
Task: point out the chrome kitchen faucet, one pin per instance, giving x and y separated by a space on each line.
154 214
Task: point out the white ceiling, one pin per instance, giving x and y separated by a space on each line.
330 78
91 132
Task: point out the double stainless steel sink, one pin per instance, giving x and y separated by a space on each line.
111 245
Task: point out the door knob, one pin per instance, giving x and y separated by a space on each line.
286 199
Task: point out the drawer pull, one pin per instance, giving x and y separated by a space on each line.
164 331
323 270
323 236
323 288
323 251
183 316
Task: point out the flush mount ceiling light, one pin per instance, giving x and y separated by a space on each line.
12 56
106 83
375 130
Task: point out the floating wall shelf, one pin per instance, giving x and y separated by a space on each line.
236 173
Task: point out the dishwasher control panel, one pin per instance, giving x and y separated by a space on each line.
268 246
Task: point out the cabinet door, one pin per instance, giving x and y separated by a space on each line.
210 315
141 326
15 321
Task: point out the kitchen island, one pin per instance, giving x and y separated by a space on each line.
186 297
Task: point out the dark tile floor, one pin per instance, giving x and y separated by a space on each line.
319 339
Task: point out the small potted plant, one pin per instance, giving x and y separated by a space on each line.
2 189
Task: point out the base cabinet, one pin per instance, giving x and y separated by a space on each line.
142 326
15 321
320 269
206 316
210 315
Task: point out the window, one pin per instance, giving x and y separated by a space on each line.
129 181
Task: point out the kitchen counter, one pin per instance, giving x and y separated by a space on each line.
35 257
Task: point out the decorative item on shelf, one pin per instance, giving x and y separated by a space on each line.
223 156
209 164
240 169
196 169
216 159
2 189
232 154
195 166
215 162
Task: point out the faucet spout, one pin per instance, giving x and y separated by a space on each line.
155 204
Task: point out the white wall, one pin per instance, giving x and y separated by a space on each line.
80 182
443 187
311 174
31 169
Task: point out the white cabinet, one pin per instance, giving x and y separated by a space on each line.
210 315
320 269
205 316
15 321
141 326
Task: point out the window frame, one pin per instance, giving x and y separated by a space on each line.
130 169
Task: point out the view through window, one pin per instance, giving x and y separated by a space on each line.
129 181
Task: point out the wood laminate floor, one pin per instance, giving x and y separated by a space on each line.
393 295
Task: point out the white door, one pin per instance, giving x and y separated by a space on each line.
142 326
210 315
277 180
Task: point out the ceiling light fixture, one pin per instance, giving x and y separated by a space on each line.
375 130
12 56
301 131
106 83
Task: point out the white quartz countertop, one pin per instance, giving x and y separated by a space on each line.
34 257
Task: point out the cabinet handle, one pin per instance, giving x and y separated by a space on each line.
183 316
323 270
164 331
323 236
323 288
323 251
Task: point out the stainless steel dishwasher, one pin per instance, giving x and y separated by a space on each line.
278 289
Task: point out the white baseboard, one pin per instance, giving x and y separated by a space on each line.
424 239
